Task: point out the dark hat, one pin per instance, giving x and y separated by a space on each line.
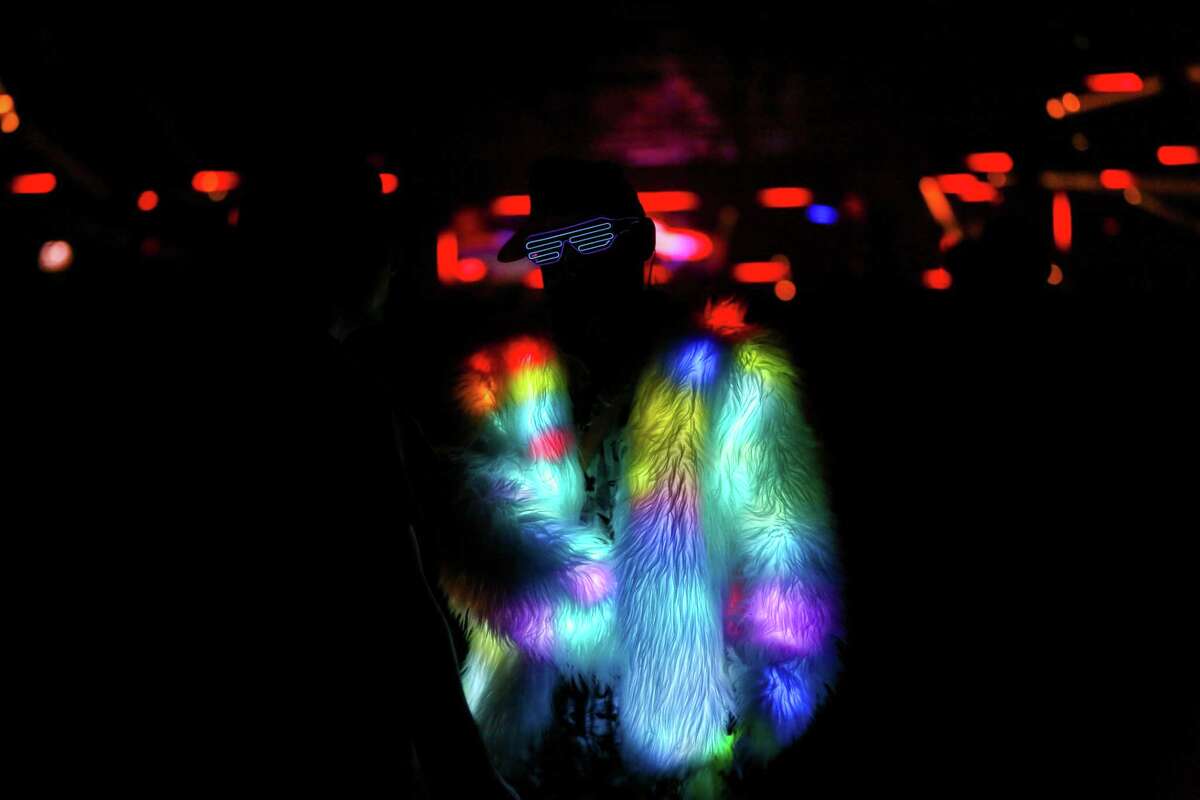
565 191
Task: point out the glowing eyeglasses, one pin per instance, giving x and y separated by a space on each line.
585 238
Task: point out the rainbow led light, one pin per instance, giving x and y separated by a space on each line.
717 596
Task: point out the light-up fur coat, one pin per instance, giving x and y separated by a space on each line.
713 603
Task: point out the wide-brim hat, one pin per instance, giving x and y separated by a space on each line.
564 191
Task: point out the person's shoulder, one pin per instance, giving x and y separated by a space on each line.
515 364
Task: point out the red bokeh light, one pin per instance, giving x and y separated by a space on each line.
938 279
34 183
1115 82
148 200
785 197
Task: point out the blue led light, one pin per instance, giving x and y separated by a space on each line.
822 215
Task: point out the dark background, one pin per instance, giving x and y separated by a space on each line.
1012 464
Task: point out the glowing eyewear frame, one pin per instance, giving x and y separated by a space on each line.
593 236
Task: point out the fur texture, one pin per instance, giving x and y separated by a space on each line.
716 597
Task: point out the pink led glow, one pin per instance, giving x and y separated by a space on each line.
591 583
789 618
681 244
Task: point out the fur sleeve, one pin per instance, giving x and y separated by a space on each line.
766 494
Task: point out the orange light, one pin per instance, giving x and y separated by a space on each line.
938 279
55 256
1178 155
10 122
950 239
1061 211
1133 196
34 183
1116 178
785 197
388 182
1070 102
990 162
939 206
668 201
1193 73
447 257
1115 82
1056 275
533 279
148 200
1055 108
785 290
760 271
511 205
6 103
471 270
997 179
212 181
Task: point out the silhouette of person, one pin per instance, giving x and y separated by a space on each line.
676 545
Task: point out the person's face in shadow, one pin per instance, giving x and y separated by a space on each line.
594 299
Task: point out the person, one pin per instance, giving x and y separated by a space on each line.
677 545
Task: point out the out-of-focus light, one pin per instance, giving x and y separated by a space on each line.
148 200
471 270
784 197
854 206
1133 196
388 182
1110 226
217 197
233 217
151 247
533 279
997 179
662 202
1056 275
957 182
447 257
1116 178
511 205
968 188
939 206
1178 155
657 274
1193 73
785 290
1061 213
1114 82
1079 142
761 271
822 215
950 240
34 183
1054 108
1070 102
10 122
210 181
6 103
989 162
938 278
681 244
55 256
